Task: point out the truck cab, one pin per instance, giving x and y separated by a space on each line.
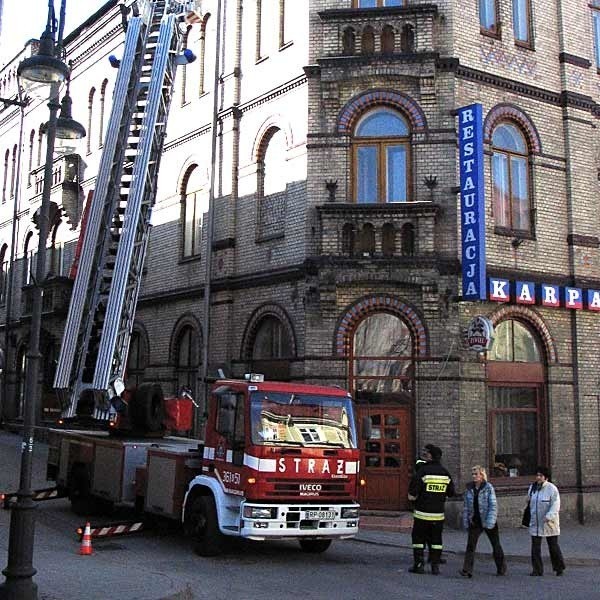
280 460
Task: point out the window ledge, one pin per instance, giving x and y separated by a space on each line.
189 259
525 45
261 59
286 45
514 233
491 33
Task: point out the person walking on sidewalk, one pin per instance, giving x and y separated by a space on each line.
429 488
544 502
480 512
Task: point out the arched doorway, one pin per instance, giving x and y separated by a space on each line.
382 381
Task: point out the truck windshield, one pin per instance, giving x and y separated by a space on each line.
280 418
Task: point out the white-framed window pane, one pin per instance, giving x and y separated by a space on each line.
520 193
596 20
275 164
487 14
188 232
521 20
367 175
396 173
500 192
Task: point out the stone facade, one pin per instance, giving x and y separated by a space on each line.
295 272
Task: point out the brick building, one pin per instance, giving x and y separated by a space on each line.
336 254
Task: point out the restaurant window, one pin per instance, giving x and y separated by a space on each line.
516 401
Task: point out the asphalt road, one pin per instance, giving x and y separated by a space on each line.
160 565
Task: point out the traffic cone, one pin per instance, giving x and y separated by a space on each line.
85 548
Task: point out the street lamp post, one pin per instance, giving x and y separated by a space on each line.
46 67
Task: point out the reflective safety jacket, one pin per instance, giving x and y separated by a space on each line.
429 488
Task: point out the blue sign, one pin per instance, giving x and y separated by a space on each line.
472 201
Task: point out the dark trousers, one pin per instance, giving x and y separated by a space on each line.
494 537
556 557
427 533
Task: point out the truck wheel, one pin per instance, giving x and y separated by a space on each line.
314 546
148 408
201 525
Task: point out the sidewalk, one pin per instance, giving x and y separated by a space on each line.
580 544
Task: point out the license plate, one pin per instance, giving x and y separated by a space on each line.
324 515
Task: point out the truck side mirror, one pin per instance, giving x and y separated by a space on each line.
367 428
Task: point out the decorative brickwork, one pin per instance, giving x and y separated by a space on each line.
508 112
532 318
359 104
380 303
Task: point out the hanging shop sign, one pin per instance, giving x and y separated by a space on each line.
480 334
472 201
543 294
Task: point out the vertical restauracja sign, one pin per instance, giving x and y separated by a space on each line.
472 201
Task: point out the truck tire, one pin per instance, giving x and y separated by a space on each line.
148 408
202 526
314 546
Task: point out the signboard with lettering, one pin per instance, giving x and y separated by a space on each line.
543 294
472 201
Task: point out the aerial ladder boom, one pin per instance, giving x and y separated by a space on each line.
98 329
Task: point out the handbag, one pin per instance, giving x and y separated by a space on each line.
526 518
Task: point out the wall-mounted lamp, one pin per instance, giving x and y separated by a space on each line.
516 242
331 185
430 181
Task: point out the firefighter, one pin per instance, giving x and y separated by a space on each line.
428 489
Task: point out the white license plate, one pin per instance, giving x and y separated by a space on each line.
325 515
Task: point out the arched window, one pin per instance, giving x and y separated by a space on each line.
102 108
183 69
31 144
387 39
40 144
516 401
381 363
271 340
348 239
202 56
187 360
388 239
407 236
510 178
194 206
272 163
407 39
349 42
90 119
13 171
367 240
4 263
5 178
54 265
381 149
136 360
29 254
367 40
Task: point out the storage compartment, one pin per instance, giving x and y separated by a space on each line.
178 414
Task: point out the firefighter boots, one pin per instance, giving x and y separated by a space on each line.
418 561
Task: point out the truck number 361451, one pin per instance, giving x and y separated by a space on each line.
229 477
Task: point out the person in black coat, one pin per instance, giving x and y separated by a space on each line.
428 489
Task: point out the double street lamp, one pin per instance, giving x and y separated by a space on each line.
45 68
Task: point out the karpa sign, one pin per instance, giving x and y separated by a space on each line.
472 201
480 334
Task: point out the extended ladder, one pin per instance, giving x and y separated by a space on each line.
99 323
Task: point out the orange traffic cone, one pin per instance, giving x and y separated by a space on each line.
86 541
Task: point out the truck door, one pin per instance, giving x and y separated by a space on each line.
230 429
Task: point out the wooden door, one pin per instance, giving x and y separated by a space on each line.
386 458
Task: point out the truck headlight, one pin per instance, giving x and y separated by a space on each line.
350 512
259 512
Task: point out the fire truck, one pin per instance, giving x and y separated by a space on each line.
279 460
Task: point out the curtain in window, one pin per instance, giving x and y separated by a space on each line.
521 20
487 14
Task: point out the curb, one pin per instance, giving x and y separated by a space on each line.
570 562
